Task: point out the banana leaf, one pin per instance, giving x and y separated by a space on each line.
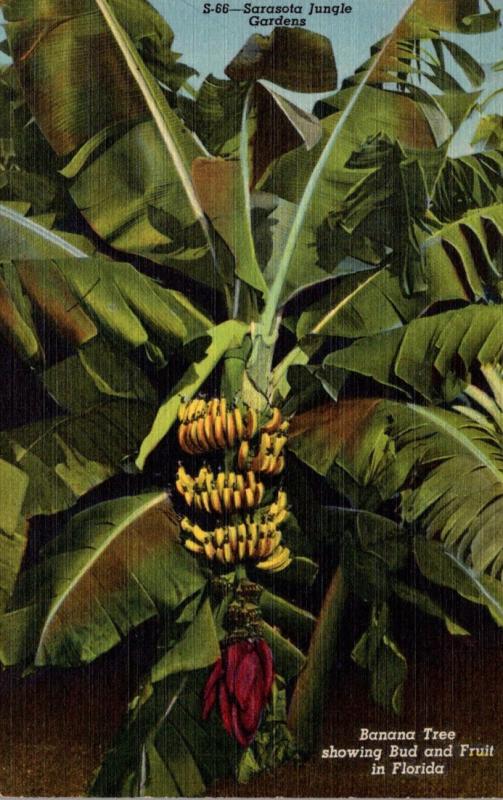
417 119
165 749
64 50
468 182
24 237
424 454
104 42
434 356
67 456
13 530
104 297
114 566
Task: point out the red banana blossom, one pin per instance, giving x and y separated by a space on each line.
241 683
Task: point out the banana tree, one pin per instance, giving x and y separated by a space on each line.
250 325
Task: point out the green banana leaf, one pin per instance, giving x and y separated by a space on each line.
105 42
418 119
114 566
468 182
296 59
65 50
23 237
379 654
434 356
472 243
425 454
67 456
12 528
165 749
100 297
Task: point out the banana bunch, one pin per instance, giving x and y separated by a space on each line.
269 459
211 425
207 425
258 538
225 492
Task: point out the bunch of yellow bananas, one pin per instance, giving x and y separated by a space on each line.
258 538
225 492
212 425
269 458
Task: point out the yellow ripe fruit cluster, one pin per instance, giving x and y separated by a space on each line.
212 425
223 493
256 538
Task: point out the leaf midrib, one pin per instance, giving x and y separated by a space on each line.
117 531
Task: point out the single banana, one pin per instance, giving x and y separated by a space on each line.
259 493
237 500
216 502
219 555
279 465
279 443
186 525
182 410
213 409
249 497
193 546
205 498
209 549
223 413
220 482
265 444
241 541
201 435
209 433
273 424
219 536
282 500
233 537
199 534
230 429
184 476
227 498
180 487
191 410
189 497
231 480
244 449
251 423
228 555
238 423
240 482
219 432
200 408
279 560
197 501
182 438
251 479
252 538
